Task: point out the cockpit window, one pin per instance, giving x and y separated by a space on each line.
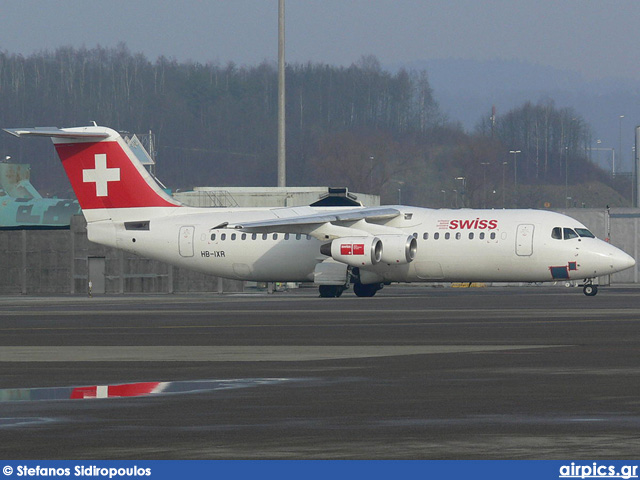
583 232
569 233
556 233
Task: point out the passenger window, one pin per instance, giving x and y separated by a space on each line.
481 235
436 236
223 236
569 234
556 233
458 236
470 235
308 237
244 236
213 236
286 236
583 232
275 236
425 236
298 236
254 236
447 236
233 236
493 235
264 236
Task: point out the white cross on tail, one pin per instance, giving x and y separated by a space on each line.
101 175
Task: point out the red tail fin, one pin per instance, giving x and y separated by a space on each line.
102 169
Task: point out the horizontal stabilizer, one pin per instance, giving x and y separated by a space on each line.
86 133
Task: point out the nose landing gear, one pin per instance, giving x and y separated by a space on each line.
589 289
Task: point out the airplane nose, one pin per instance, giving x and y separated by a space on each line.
606 259
621 261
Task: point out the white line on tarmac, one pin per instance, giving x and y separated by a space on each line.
235 353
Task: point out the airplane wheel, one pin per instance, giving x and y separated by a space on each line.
330 291
590 290
365 290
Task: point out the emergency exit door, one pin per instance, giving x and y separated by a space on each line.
185 241
524 240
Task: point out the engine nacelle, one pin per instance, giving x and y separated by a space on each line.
355 251
398 249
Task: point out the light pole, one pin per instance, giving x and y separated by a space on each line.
400 183
620 141
515 174
504 165
515 166
566 177
464 184
282 161
484 183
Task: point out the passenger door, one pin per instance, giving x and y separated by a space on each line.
524 240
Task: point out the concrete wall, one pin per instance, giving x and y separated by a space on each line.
56 262
34 260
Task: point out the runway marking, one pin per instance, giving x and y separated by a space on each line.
236 353
486 312
425 322
8 422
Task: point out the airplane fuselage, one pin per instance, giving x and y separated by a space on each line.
452 245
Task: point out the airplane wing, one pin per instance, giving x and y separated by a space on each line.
372 214
323 225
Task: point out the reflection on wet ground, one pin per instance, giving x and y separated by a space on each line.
138 389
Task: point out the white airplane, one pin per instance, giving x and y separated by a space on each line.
332 246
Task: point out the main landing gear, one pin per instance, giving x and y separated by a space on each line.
366 290
353 278
589 289
360 289
331 291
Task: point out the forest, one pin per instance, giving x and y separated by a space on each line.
360 126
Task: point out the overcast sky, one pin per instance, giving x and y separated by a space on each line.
596 38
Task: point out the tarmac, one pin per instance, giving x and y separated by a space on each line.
412 373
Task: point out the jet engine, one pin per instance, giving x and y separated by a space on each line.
398 249
354 251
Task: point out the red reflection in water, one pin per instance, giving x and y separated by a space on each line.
109 391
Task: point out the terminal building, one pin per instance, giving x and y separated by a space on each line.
274 197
